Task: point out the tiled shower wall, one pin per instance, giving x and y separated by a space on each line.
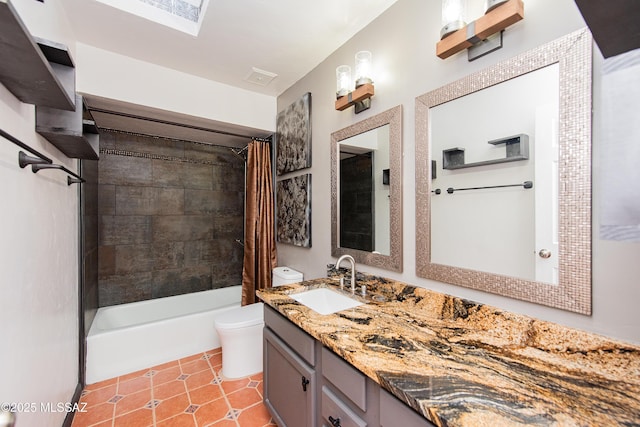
169 214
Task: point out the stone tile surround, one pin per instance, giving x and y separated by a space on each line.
169 213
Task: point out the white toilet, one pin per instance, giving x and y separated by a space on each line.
240 331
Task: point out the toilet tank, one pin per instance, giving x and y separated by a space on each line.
286 275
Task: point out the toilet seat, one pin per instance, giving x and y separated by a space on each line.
241 317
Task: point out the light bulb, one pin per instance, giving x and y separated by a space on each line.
452 16
343 80
363 68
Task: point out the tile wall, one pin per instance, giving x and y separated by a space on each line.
169 213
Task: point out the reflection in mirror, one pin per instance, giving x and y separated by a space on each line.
524 122
366 191
499 233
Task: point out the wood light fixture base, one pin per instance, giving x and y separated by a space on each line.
490 23
360 96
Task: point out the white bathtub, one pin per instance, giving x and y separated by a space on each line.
129 337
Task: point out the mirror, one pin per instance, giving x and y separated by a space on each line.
511 217
366 191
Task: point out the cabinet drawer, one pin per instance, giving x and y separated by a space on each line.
395 413
351 382
301 342
338 410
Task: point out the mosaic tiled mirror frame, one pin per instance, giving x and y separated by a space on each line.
393 261
573 54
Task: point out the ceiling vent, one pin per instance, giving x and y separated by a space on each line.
260 77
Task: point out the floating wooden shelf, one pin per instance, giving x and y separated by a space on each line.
363 92
72 132
492 22
40 75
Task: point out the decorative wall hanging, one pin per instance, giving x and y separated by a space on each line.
294 210
293 132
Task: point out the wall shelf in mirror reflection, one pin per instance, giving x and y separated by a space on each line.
366 191
499 233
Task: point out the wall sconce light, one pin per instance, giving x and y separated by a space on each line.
477 35
360 97
452 17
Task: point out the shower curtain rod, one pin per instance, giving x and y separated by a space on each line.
167 122
209 144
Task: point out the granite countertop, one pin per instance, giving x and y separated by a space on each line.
460 363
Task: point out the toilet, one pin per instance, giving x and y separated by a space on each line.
240 331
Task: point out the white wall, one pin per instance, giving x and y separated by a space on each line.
38 255
403 44
113 76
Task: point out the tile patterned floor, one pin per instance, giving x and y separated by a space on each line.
189 392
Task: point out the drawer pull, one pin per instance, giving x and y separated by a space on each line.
335 422
305 383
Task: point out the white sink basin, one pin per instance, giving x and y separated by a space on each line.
325 301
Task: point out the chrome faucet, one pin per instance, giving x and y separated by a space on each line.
353 270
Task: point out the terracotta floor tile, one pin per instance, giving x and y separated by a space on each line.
166 375
108 423
174 396
101 384
255 416
182 420
133 401
190 358
133 375
205 394
94 415
223 423
167 390
171 407
139 418
199 379
164 366
99 396
229 386
195 366
133 385
216 360
212 411
244 398
257 377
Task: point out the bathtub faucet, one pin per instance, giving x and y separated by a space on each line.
353 270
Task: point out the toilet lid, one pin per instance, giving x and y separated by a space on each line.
241 317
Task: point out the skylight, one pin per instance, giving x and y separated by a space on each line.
182 15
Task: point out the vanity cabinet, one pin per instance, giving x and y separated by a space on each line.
307 385
290 387
395 413
348 397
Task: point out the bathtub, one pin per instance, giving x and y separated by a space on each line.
129 337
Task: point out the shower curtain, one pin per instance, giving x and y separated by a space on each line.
259 241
